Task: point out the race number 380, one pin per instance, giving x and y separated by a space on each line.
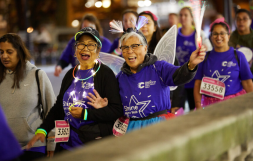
212 87
62 131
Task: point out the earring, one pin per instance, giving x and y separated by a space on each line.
74 55
99 56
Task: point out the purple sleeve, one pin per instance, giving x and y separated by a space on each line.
106 45
10 148
199 74
165 71
245 72
68 53
115 45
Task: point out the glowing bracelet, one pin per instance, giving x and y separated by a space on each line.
85 114
115 51
42 130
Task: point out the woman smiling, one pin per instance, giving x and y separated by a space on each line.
86 82
224 65
144 82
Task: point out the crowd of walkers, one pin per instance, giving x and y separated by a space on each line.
94 103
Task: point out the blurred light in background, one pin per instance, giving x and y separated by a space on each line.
141 3
106 3
98 4
88 4
75 23
145 3
29 30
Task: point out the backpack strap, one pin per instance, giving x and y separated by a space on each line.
236 57
40 105
207 54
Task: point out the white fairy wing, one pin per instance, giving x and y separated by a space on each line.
166 48
112 61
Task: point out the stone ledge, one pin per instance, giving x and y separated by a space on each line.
197 136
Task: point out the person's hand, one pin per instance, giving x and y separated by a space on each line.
58 70
198 105
76 112
96 101
197 57
37 137
50 154
174 110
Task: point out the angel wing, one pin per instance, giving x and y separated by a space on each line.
112 61
166 48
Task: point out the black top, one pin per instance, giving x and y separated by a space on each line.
107 86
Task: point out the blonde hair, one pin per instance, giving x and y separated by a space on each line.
190 10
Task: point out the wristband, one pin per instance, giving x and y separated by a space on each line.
40 132
115 51
189 66
85 114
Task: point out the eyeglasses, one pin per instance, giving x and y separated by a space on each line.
243 19
222 34
90 46
126 48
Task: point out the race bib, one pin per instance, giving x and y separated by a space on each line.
212 87
120 126
62 131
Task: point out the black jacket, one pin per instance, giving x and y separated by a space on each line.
107 86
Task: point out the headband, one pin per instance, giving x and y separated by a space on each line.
219 20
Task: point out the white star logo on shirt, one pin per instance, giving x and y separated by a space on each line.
181 54
143 105
223 77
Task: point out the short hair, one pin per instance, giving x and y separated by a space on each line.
132 34
173 14
129 11
243 11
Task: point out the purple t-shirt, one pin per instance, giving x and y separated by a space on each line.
77 92
144 93
224 66
185 46
10 148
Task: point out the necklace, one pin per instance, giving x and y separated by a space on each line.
87 77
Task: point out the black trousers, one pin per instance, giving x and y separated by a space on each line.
31 155
190 98
180 95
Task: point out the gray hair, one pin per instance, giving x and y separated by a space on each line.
132 34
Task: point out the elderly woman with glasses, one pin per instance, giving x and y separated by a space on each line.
224 73
144 81
79 103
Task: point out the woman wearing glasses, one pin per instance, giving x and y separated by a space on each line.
144 82
79 103
226 68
